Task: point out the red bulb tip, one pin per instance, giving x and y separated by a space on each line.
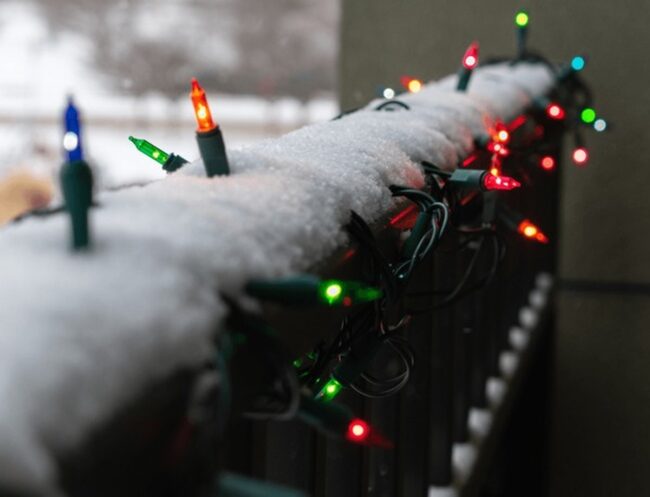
498 148
580 156
501 133
547 162
358 431
496 182
470 59
196 87
554 111
469 160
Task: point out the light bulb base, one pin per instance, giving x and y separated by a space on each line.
464 76
522 42
298 290
77 185
213 152
174 163
468 178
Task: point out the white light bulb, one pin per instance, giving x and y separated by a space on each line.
600 125
70 141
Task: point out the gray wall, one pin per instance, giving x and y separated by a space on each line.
601 413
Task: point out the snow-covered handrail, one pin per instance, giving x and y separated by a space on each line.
82 334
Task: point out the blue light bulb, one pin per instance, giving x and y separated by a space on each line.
600 125
578 63
72 133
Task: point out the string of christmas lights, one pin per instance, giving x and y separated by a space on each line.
471 200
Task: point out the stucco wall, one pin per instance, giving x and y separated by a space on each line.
600 434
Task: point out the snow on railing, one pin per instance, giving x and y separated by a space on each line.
82 334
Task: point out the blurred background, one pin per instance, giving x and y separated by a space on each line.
274 65
598 428
268 66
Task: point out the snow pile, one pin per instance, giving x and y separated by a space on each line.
82 334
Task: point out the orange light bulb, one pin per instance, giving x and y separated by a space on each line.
201 108
415 85
529 230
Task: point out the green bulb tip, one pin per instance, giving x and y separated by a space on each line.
330 390
522 18
588 115
331 291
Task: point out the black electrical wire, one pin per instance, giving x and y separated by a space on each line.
389 104
463 288
439 221
379 388
363 235
345 113
280 399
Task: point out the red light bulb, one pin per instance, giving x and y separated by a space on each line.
554 111
469 160
501 133
498 148
358 431
495 182
547 162
517 122
529 230
413 85
201 108
580 156
470 59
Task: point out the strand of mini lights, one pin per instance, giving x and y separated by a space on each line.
346 361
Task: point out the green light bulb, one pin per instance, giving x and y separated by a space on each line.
347 293
331 291
330 390
588 115
150 150
367 294
521 19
